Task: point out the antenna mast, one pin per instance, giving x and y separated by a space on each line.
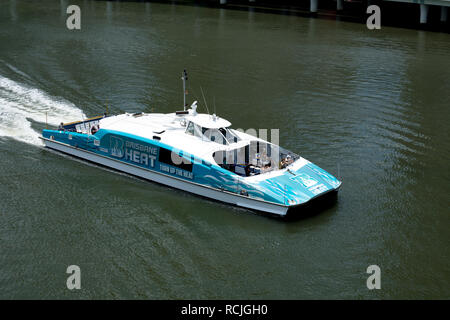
206 105
184 78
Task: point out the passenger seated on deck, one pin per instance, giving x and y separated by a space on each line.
61 127
94 129
266 168
286 161
289 159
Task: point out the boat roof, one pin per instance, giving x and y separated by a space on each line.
171 129
208 121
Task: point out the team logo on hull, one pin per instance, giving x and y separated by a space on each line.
304 179
116 148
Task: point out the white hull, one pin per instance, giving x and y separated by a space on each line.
195 188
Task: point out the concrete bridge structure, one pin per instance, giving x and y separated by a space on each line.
422 5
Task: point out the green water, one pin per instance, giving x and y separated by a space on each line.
369 106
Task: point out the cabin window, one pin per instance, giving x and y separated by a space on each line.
190 128
216 136
221 135
223 132
165 156
231 136
198 131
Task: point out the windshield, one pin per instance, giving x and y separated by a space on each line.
221 135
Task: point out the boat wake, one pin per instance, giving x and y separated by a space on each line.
21 104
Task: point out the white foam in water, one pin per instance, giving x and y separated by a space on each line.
19 103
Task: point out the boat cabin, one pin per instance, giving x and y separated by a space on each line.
210 128
245 157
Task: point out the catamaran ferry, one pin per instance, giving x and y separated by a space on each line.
198 153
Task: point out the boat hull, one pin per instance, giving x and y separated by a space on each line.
159 177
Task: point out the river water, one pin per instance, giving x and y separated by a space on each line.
370 106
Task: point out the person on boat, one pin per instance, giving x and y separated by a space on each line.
61 127
266 168
286 161
94 129
289 159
